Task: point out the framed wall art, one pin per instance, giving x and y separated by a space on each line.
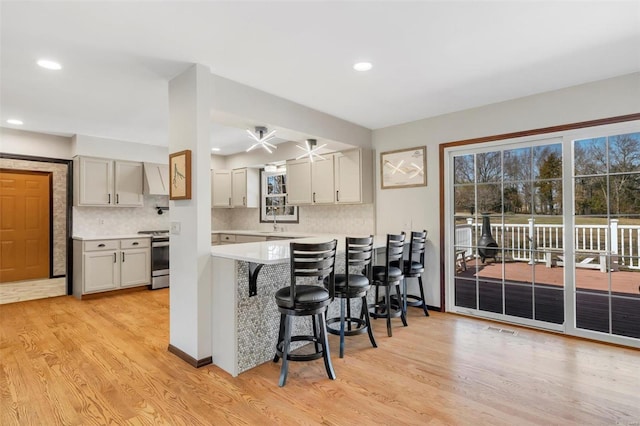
180 175
403 168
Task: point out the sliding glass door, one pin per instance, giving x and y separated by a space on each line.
606 181
546 232
508 212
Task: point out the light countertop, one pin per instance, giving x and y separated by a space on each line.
281 234
277 251
108 237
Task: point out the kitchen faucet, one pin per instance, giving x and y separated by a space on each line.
275 222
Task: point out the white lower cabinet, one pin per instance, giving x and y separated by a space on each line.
110 264
101 271
250 238
134 267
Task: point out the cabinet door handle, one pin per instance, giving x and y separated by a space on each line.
115 258
244 201
337 195
117 198
314 197
109 201
135 243
229 200
101 245
122 257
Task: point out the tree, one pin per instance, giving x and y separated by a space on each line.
548 184
624 157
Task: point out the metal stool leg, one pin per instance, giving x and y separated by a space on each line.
280 334
367 321
342 321
424 303
388 304
285 351
402 315
325 346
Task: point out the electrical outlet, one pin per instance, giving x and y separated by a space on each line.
175 228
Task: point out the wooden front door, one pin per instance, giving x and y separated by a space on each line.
24 225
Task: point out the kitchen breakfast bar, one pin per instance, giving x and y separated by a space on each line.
245 318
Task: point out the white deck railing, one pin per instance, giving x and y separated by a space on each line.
522 241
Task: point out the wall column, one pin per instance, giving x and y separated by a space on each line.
190 294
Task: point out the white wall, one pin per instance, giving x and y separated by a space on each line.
190 298
231 99
118 150
218 162
417 208
19 142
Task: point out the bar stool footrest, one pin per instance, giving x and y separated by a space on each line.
382 311
301 357
412 300
358 326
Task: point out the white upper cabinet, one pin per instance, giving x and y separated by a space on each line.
128 183
353 176
235 188
310 182
345 177
220 188
299 182
93 181
245 188
322 181
105 182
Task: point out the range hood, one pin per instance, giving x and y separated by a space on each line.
156 179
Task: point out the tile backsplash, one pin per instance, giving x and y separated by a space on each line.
356 219
97 221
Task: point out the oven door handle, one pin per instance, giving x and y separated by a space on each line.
162 244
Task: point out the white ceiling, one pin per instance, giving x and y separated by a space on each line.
429 57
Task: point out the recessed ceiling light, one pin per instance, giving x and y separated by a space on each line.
15 121
49 64
362 66
215 149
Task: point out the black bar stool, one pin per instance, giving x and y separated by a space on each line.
358 256
387 276
413 268
315 261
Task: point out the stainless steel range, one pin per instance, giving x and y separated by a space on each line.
159 258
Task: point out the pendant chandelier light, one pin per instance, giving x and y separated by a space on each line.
310 150
261 139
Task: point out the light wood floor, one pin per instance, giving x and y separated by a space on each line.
64 361
20 291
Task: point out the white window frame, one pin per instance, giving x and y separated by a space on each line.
266 215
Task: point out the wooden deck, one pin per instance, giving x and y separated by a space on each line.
586 279
480 287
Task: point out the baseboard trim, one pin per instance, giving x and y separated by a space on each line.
197 363
112 292
434 308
